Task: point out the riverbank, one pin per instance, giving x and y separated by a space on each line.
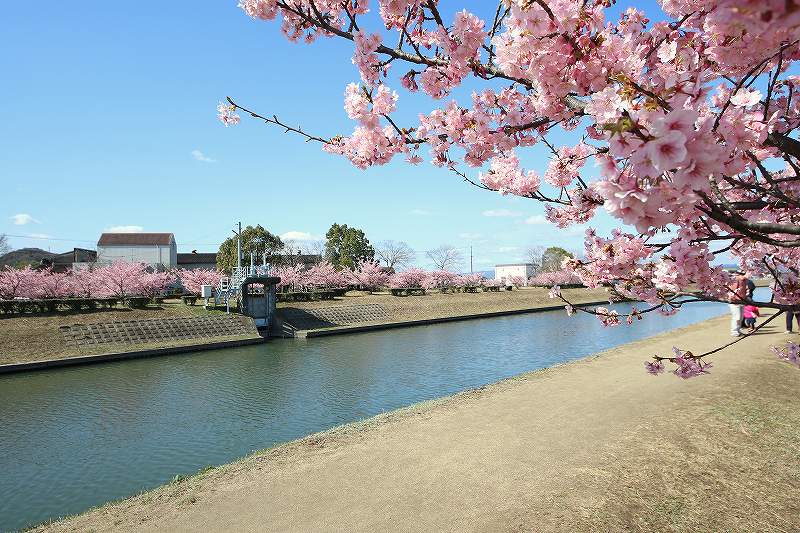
39 338
356 311
591 445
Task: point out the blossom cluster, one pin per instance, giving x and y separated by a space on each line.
790 353
687 365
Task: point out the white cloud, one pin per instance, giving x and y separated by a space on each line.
39 236
200 156
469 236
23 218
536 219
504 249
501 213
124 229
298 236
420 212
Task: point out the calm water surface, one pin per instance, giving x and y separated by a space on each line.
74 438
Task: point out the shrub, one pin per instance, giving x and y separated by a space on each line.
137 302
189 300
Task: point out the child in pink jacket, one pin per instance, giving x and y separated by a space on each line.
750 314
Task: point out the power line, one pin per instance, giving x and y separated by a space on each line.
42 238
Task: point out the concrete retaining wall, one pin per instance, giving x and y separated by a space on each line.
299 333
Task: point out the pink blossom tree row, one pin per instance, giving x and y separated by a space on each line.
119 279
368 276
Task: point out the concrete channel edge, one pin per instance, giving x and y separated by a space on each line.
121 356
343 330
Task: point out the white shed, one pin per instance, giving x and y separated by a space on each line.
504 272
157 250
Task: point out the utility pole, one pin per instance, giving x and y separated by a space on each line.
239 246
470 260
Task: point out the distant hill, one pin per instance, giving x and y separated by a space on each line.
25 256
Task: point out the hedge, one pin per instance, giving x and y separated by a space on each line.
52 305
137 302
305 296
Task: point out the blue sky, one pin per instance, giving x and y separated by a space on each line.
109 121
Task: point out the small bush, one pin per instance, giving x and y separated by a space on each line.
108 303
189 300
74 304
138 302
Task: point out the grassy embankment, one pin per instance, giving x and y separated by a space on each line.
435 305
25 338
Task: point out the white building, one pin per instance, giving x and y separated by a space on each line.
157 250
504 272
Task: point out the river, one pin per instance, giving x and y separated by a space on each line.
77 437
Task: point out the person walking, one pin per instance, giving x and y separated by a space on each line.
789 316
738 291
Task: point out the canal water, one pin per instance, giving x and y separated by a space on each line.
74 438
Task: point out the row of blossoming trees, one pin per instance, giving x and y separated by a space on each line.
370 276
123 279
118 280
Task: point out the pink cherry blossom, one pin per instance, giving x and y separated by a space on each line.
227 114
667 151
745 97
654 367
695 150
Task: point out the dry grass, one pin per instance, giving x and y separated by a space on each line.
727 463
36 337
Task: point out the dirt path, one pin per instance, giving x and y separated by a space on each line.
592 445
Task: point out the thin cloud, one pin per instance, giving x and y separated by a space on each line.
504 249
501 213
536 219
576 230
200 156
298 236
124 229
470 236
23 218
420 212
39 236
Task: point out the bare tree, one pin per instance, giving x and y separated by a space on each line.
445 257
396 254
533 255
4 246
314 247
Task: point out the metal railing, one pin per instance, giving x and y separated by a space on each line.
229 287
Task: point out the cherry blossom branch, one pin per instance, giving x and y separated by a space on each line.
274 120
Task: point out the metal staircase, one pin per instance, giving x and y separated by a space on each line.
230 287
